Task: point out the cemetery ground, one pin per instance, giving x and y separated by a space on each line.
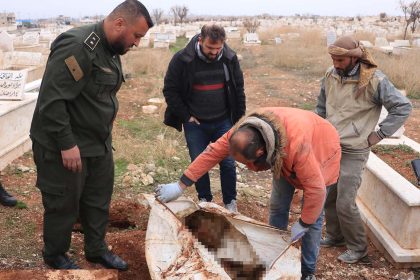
148 153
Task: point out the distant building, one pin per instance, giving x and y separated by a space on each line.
7 21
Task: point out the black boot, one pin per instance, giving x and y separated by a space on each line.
61 261
5 198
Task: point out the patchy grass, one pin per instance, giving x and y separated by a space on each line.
394 149
21 205
120 167
180 43
142 62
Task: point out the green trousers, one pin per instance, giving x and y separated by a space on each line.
342 215
67 196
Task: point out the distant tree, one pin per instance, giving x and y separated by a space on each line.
411 15
157 15
383 17
180 13
251 25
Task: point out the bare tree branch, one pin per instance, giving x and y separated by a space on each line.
180 13
157 15
411 15
251 25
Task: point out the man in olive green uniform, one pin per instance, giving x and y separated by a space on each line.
71 132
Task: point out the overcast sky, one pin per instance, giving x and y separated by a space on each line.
79 8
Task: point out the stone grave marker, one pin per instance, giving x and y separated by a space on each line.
400 43
24 58
277 40
331 37
251 39
381 42
6 42
30 38
12 84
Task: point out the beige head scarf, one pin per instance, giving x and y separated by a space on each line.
347 46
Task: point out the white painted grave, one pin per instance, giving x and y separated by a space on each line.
251 39
15 122
331 37
30 38
390 207
277 40
6 42
18 58
233 33
400 43
47 35
381 42
12 84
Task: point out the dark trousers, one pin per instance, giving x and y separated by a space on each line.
341 212
281 198
67 196
198 136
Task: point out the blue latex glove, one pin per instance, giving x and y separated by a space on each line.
168 192
297 231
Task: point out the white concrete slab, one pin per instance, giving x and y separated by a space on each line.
15 121
390 207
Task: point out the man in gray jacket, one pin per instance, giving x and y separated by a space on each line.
353 92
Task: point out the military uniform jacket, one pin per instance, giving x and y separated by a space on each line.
77 101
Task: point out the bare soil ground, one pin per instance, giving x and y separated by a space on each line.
266 85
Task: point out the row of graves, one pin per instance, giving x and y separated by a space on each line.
22 63
396 47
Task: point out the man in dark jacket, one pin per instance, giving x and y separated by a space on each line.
72 129
204 91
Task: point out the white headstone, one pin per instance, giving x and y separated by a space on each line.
233 32
162 37
381 42
416 42
47 35
6 41
24 58
161 44
12 84
400 43
277 40
30 38
251 38
331 37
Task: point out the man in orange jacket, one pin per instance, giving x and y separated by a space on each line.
301 149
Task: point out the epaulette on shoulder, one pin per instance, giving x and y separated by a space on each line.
92 41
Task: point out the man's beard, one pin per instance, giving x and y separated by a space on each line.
211 58
118 46
344 72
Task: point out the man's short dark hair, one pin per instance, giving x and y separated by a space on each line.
214 32
131 10
255 141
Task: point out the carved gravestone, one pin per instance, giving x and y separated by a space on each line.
12 84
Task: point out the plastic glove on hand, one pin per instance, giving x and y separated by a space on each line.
297 231
168 192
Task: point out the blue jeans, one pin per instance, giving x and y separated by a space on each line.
198 136
281 198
